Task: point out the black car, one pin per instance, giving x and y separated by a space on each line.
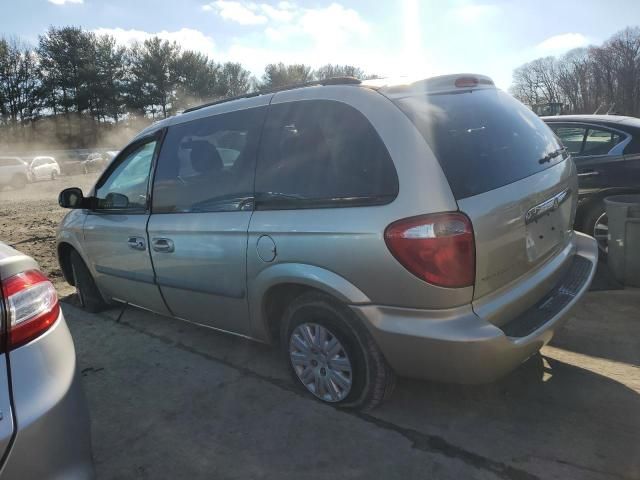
606 150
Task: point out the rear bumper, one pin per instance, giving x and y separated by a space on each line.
457 345
53 438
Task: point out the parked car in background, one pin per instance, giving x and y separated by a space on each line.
606 151
14 172
372 227
44 168
95 162
71 162
44 420
111 154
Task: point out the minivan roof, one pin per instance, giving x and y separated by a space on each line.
397 87
405 86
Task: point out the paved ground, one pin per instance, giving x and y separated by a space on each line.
172 400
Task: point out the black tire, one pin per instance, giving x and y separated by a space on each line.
591 216
373 380
19 182
88 294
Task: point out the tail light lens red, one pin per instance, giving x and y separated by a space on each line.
437 248
32 306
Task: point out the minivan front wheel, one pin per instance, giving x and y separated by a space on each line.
332 356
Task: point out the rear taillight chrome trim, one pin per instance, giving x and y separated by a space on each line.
32 307
437 248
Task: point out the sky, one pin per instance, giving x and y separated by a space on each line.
406 37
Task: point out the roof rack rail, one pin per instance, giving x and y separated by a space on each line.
326 81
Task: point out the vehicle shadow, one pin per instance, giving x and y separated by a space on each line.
604 324
547 414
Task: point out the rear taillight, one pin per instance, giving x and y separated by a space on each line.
32 306
437 248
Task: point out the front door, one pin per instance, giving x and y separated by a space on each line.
115 237
202 204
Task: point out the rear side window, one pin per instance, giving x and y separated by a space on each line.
483 139
600 142
208 165
572 137
321 153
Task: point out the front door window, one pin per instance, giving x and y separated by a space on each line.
126 186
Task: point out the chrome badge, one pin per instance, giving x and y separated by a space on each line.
547 206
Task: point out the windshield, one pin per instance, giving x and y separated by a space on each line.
483 139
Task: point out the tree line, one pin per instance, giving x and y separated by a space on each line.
76 88
603 78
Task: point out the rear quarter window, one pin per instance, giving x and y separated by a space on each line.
321 153
484 139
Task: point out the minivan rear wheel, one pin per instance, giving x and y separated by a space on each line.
88 294
332 356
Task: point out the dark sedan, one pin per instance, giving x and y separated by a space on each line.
606 150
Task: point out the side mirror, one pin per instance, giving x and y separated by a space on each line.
116 200
71 198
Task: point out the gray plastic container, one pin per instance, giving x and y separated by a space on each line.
623 212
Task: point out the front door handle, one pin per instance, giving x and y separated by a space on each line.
164 245
137 243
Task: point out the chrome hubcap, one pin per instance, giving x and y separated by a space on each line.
601 232
320 362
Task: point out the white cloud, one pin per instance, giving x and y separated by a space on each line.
283 13
64 2
236 12
295 34
187 38
332 24
561 43
474 13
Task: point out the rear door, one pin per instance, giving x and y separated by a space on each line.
202 204
115 236
598 155
507 172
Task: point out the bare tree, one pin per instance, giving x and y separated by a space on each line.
603 78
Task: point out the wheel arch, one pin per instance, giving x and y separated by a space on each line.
64 260
276 286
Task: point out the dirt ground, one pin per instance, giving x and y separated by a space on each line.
29 218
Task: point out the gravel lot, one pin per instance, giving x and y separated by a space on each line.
172 400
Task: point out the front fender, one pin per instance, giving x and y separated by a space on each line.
70 232
299 274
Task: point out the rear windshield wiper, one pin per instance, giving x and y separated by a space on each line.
551 156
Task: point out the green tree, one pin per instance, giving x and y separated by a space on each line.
330 71
19 88
280 75
153 76
109 76
67 60
234 80
197 79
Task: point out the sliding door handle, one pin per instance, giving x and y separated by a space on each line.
164 245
